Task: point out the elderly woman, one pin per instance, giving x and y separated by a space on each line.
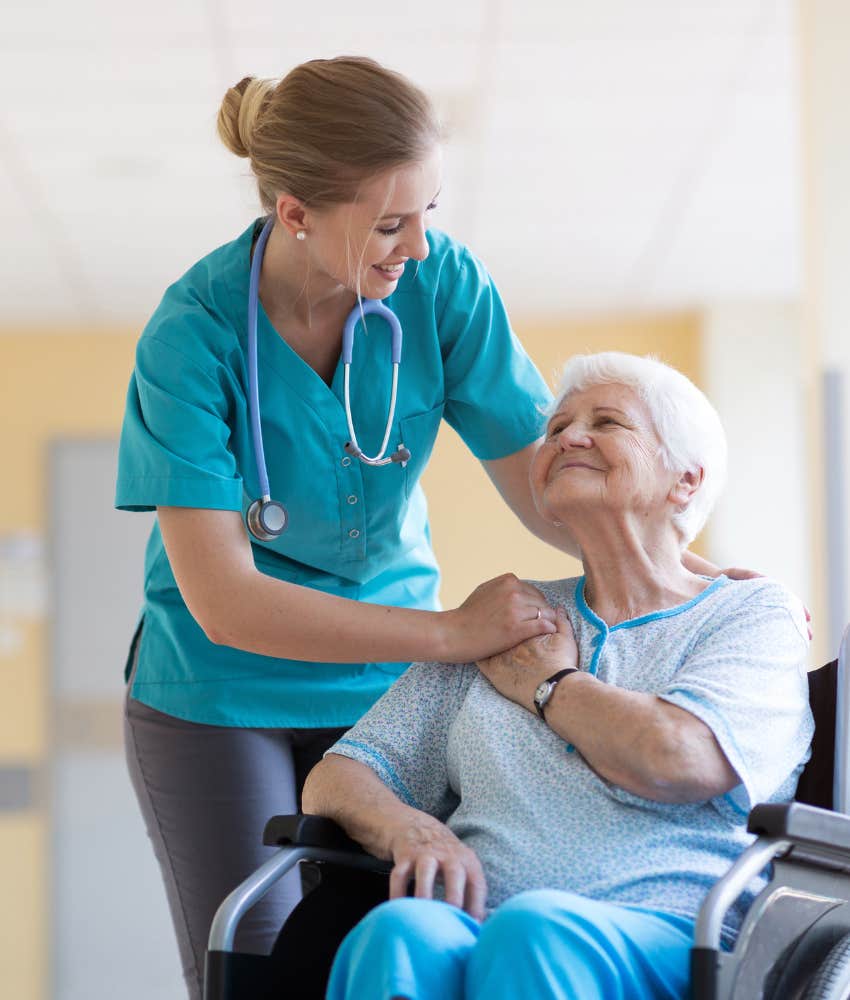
563 807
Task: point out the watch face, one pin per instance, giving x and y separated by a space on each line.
542 692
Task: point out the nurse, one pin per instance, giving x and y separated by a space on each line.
252 657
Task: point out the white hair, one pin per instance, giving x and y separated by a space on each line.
687 425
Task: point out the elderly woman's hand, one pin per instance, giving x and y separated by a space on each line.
426 848
517 672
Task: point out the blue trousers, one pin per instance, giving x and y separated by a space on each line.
544 943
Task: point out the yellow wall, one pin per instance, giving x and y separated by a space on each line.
24 848
73 384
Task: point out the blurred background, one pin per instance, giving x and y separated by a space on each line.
659 176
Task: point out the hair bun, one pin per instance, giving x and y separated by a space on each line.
326 127
241 107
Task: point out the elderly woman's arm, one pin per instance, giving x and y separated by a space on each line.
639 742
635 740
421 847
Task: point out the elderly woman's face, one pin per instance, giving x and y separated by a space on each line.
600 450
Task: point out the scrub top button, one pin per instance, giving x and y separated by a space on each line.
352 499
354 533
345 462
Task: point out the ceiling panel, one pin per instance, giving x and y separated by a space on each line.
600 156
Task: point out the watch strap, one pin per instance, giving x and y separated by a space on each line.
553 683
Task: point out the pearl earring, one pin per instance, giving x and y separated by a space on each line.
301 235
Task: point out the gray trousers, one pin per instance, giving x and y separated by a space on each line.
206 793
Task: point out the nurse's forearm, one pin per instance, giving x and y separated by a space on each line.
510 477
262 615
238 606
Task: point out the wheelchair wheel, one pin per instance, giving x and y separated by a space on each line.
832 980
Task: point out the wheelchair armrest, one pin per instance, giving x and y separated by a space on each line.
801 824
308 831
300 838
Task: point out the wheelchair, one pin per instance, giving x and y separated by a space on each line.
794 943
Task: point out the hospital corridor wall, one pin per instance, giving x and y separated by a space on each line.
73 859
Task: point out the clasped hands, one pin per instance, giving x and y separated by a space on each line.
516 673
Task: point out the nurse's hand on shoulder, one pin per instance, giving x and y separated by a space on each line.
426 851
496 616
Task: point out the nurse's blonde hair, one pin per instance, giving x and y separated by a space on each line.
326 127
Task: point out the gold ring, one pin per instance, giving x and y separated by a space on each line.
539 615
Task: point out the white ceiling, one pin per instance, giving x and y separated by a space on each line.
605 155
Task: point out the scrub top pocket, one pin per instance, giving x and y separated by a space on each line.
419 433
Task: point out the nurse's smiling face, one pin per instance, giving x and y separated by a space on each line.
365 244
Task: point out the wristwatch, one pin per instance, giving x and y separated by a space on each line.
545 689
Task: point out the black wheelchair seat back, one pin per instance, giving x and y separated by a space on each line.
816 784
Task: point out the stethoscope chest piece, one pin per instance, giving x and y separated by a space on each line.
267 519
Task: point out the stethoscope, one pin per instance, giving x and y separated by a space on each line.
267 518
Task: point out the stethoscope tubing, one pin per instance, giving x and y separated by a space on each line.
363 309
253 365
378 459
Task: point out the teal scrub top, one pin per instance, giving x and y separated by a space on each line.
354 531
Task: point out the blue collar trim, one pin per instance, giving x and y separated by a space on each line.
603 627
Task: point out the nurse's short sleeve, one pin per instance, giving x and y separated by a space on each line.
495 397
403 738
174 440
746 680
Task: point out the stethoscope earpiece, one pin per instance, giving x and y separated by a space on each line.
266 518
